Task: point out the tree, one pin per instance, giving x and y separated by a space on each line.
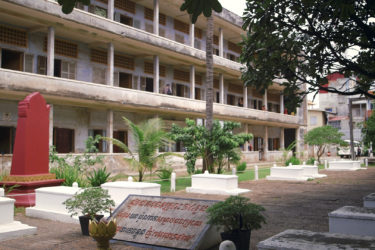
303 41
323 136
67 6
148 137
368 131
195 8
198 141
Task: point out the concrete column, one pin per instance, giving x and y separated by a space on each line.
282 104
51 125
298 149
245 97
191 34
192 82
156 74
139 82
110 12
221 88
221 42
265 101
265 143
246 146
110 64
110 130
282 138
156 17
51 51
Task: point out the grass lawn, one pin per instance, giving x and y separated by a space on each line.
185 181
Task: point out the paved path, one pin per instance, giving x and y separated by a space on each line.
294 205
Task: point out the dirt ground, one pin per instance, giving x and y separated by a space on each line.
289 205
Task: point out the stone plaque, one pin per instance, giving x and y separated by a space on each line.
162 221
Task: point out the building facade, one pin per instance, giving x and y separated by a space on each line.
337 107
138 59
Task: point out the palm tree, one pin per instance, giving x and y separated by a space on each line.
148 137
195 8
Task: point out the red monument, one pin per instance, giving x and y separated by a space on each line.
30 162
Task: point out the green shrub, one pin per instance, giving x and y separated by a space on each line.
236 212
70 174
294 160
310 161
198 171
98 177
241 167
164 173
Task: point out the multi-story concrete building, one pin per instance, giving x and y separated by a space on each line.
137 59
337 107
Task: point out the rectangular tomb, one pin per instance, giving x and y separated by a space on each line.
369 201
8 227
302 240
344 165
353 220
119 190
49 203
215 184
292 173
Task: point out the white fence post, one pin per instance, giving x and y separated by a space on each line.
234 171
130 179
366 162
325 164
256 173
173 182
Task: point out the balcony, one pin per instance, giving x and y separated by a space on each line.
15 85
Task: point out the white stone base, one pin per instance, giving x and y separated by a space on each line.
49 204
51 215
119 190
292 173
8 227
344 165
235 191
14 230
369 201
302 239
2 192
353 220
312 172
215 184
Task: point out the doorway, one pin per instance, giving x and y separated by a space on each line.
11 59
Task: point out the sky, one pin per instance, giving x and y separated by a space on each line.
236 6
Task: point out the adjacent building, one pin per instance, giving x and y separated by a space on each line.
138 59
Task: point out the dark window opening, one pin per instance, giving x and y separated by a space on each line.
197 94
230 99
180 90
7 136
11 59
125 80
121 136
217 97
126 20
149 84
63 140
57 68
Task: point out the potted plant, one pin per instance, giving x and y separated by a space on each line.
238 216
89 203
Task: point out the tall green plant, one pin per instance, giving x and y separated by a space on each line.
148 137
222 144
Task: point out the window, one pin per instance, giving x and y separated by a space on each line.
98 10
7 136
13 36
197 94
94 132
230 99
121 136
335 124
149 84
313 120
28 67
99 75
181 26
126 5
65 69
63 140
179 38
11 59
126 20
125 80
